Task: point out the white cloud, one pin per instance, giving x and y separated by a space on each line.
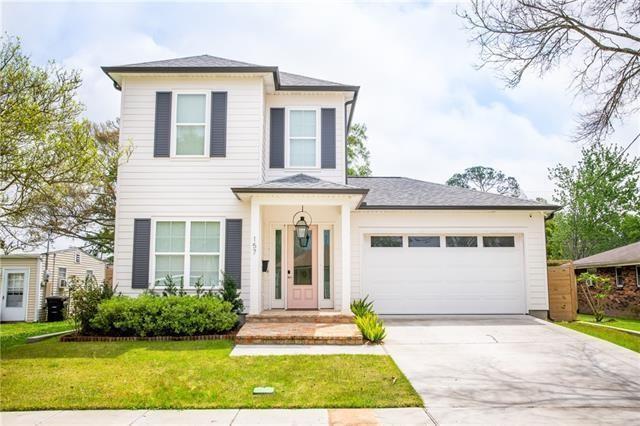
429 112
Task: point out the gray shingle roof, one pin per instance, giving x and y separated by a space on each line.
625 255
405 193
192 61
208 63
300 183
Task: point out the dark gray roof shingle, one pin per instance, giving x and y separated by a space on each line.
625 255
192 61
208 63
403 193
300 183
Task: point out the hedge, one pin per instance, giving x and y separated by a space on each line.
163 316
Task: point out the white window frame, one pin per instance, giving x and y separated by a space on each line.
88 273
638 276
174 121
187 248
616 271
77 258
287 147
62 280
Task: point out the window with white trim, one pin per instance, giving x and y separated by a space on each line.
303 138
638 276
619 278
187 249
62 277
191 124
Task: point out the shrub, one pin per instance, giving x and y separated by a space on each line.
596 291
361 307
230 293
372 327
86 295
163 316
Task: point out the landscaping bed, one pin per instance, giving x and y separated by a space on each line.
191 374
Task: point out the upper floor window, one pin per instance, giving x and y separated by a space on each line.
303 140
191 124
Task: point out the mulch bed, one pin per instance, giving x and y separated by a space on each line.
231 335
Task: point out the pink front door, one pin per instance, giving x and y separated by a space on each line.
302 271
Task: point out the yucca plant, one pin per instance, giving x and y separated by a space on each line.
361 307
372 327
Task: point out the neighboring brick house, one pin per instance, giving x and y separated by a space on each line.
622 266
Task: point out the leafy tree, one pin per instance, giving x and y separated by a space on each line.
600 39
57 170
486 179
596 291
91 216
601 199
358 163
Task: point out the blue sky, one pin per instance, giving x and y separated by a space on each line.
430 113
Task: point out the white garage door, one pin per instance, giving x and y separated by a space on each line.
444 274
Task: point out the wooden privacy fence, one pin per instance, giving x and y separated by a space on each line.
563 293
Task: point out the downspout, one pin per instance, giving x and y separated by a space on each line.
348 120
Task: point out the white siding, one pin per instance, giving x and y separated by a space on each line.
32 264
66 259
151 187
310 99
530 224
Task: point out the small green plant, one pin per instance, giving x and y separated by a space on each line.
230 293
372 327
199 287
170 287
361 307
596 290
85 297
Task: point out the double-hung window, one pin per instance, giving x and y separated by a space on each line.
303 138
191 124
188 251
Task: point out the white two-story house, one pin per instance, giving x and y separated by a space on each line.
241 168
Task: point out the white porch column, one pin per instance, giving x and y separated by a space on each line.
255 281
345 230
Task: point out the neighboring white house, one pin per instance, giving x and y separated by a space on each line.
22 279
227 156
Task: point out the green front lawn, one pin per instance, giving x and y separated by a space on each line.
192 374
614 336
626 323
12 334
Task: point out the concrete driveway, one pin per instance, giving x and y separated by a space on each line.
514 370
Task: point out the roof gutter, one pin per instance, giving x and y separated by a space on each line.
455 207
224 70
348 120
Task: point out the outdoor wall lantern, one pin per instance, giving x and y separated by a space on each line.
302 227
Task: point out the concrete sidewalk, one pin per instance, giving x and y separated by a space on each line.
378 416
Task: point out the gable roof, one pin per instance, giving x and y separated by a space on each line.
300 183
404 193
214 64
625 255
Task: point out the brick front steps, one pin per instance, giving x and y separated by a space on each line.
300 328
324 317
298 333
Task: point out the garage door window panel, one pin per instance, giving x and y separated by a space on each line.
507 241
424 241
386 241
462 241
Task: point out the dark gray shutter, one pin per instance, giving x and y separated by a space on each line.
328 138
233 249
218 140
162 133
141 242
276 138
